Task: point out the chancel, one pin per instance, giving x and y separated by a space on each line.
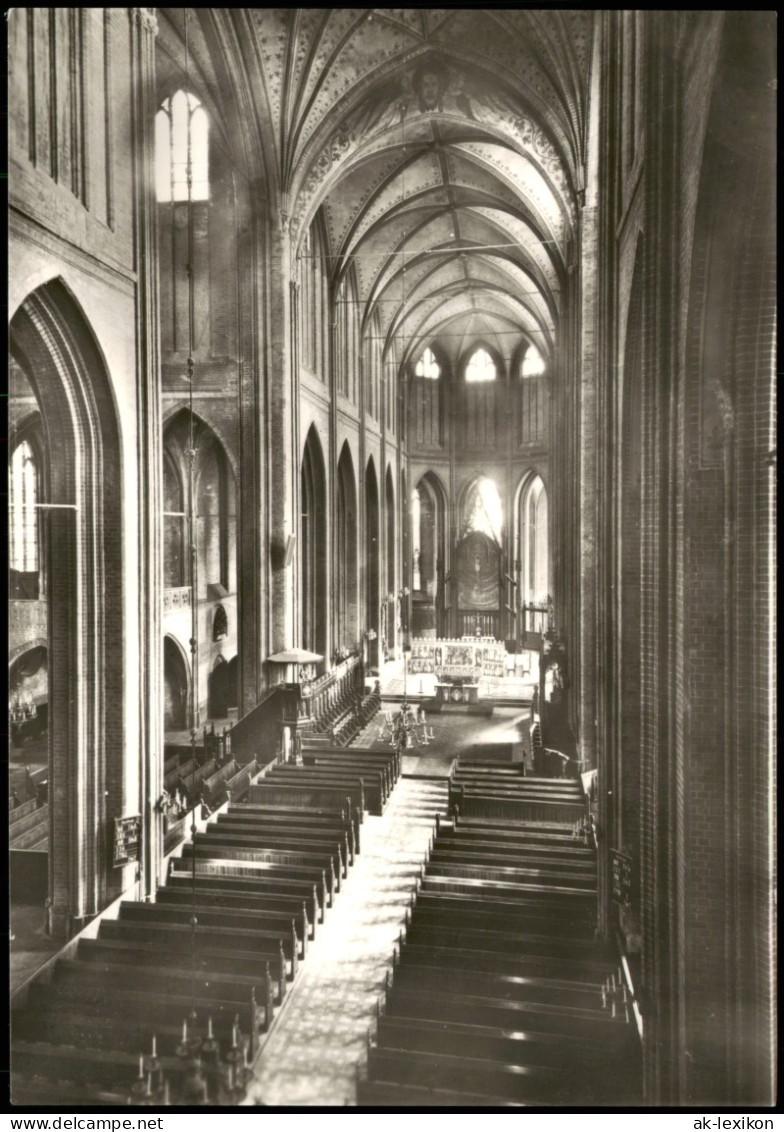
392 557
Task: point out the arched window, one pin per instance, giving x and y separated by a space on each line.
312 294
23 493
341 340
533 363
212 521
427 366
534 543
424 406
416 553
173 525
483 510
479 401
481 367
532 398
181 140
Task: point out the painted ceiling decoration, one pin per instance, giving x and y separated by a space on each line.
442 149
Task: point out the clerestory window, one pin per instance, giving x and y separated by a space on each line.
181 144
427 366
481 367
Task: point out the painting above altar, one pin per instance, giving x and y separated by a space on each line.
478 573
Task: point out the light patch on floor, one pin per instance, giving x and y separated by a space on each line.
320 1035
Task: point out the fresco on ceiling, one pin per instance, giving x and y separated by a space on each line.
432 87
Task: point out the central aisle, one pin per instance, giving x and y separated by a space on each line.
320 1034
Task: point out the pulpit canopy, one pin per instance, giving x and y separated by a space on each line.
301 661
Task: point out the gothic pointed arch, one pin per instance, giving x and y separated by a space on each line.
52 341
346 548
372 561
313 546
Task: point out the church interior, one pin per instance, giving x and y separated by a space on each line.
391 442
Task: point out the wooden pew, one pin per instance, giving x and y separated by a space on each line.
346 760
585 969
442 881
388 756
236 908
532 989
214 787
88 978
374 778
447 863
374 1093
234 890
17 813
155 952
541 920
240 863
303 796
237 786
352 785
345 818
238 920
174 778
506 943
527 1047
559 856
537 841
309 850
220 846
510 805
290 836
520 1083
450 1008
126 1020
31 829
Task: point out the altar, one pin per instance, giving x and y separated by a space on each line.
457 693
458 662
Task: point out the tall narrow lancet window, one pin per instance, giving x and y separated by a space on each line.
416 550
23 500
341 340
314 598
535 547
181 139
174 560
483 510
532 398
425 403
480 376
480 368
427 366
533 363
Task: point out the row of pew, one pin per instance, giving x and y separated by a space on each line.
345 719
199 775
500 994
331 774
257 881
501 790
29 825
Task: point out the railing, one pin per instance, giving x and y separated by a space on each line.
319 699
177 598
487 623
534 618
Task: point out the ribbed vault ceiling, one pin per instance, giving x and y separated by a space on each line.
443 150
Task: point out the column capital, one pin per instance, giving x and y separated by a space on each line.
146 18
